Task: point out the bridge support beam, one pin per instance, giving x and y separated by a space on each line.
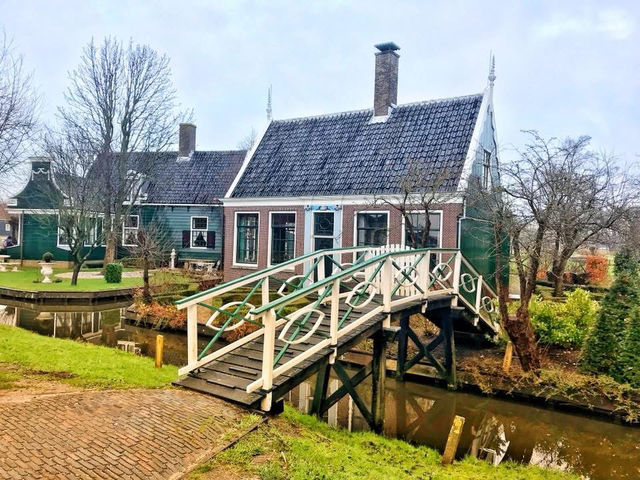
373 415
443 318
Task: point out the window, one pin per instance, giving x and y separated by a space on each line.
7 227
486 169
414 230
63 241
199 227
247 238
130 230
372 229
283 234
95 232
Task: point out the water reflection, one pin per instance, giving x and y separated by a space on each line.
494 430
98 324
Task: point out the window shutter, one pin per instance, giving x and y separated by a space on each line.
186 237
211 239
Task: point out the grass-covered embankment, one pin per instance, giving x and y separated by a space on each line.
29 279
79 364
297 446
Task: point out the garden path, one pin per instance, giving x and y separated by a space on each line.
133 434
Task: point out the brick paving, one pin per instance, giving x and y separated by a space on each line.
126 434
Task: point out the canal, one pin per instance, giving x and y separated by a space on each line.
494 430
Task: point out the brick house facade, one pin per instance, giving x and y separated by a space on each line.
347 167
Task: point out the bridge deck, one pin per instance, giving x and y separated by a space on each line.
229 376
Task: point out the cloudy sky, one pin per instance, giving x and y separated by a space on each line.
564 68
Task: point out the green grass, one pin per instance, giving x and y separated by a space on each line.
297 446
27 277
77 363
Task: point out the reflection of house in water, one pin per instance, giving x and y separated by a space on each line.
95 326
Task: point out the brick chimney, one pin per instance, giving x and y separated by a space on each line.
386 83
187 139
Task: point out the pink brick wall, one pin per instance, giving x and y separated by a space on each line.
451 212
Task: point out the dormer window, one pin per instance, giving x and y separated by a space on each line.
486 170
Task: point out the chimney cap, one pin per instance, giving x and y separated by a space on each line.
387 47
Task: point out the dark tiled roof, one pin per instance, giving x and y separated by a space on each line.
203 179
345 154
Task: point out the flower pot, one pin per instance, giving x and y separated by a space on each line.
46 270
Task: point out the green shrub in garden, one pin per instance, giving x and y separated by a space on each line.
604 343
564 324
628 367
113 273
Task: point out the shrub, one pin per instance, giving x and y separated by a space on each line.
47 257
597 268
603 345
113 273
628 366
564 324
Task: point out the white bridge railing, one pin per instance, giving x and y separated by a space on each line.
355 283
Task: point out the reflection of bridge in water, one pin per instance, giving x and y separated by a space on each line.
301 316
494 429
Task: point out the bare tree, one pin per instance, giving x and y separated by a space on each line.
418 194
248 141
151 250
18 105
79 220
592 195
121 100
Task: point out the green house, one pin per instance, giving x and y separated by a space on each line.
182 195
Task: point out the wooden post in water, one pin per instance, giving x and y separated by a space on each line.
508 355
378 378
452 441
159 350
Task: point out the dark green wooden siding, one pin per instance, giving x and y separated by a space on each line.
177 219
39 235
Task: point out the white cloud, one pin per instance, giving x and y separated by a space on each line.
614 23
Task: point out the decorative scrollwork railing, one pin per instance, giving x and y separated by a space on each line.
288 304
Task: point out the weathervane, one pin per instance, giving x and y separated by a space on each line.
269 109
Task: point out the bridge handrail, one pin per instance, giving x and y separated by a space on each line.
342 274
267 272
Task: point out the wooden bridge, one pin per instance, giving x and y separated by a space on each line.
296 319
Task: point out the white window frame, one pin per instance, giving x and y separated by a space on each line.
440 212
62 246
7 227
191 230
295 235
235 242
18 240
124 231
486 169
355 224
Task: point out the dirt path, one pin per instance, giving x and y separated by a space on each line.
58 432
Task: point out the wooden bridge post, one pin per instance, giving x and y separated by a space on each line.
446 320
455 281
267 358
378 377
192 335
320 392
403 337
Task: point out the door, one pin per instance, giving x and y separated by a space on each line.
323 235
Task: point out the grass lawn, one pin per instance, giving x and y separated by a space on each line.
297 446
77 363
26 280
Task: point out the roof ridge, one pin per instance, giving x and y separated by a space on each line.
363 110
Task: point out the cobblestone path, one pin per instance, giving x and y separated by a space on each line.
125 434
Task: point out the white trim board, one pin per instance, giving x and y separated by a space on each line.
443 198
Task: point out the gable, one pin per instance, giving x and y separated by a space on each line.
40 192
348 154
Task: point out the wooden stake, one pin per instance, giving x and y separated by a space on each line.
508 354
159 349
452 441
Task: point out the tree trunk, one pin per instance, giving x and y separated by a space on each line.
76 270
521 334
146 289
557 272
111 248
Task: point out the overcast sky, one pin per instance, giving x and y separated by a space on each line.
563 68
